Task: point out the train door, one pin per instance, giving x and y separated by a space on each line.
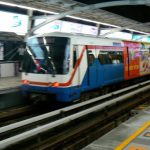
131 62
92 69
100 67
110 68
76 54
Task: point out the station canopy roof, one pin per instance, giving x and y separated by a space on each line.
133 14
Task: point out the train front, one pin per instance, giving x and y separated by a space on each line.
46 66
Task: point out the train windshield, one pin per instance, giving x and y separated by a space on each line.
47 55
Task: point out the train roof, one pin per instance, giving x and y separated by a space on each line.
63 34
80 37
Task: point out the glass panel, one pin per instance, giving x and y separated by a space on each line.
75 48
91 57
113 57
50 54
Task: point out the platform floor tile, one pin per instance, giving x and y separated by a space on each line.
122 133
10 82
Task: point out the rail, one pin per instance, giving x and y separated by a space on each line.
139 88
57 112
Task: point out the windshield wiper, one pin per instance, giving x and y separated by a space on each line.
52 66
38 67
53 69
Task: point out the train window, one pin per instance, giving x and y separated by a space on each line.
120 57
102 57
91 57
52 53
28 65
113 57
74 55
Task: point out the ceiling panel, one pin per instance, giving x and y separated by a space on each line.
96 15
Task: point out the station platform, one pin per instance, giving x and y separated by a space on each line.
9 84
10 92
133 134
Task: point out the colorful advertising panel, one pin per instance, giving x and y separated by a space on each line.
131 59
144 59
54 26
140 37
69 27
13 22
65 26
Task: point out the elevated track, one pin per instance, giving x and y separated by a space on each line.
75 126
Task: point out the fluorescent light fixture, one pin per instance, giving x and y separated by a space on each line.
88 20
26 7
50 12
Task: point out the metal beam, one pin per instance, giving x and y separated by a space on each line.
52 1
99 29
30 15
63 3
41 17
91 7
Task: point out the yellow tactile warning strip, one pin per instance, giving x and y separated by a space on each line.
125 143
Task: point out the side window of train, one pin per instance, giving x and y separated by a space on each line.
110 57
90 57
120 57
102 57
75 47
115 57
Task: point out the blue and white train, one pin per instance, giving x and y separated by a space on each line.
67 65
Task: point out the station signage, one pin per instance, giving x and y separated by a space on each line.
13 22
116 35
65 26
54 26
139 37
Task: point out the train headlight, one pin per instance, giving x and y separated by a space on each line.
25 82
55 84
